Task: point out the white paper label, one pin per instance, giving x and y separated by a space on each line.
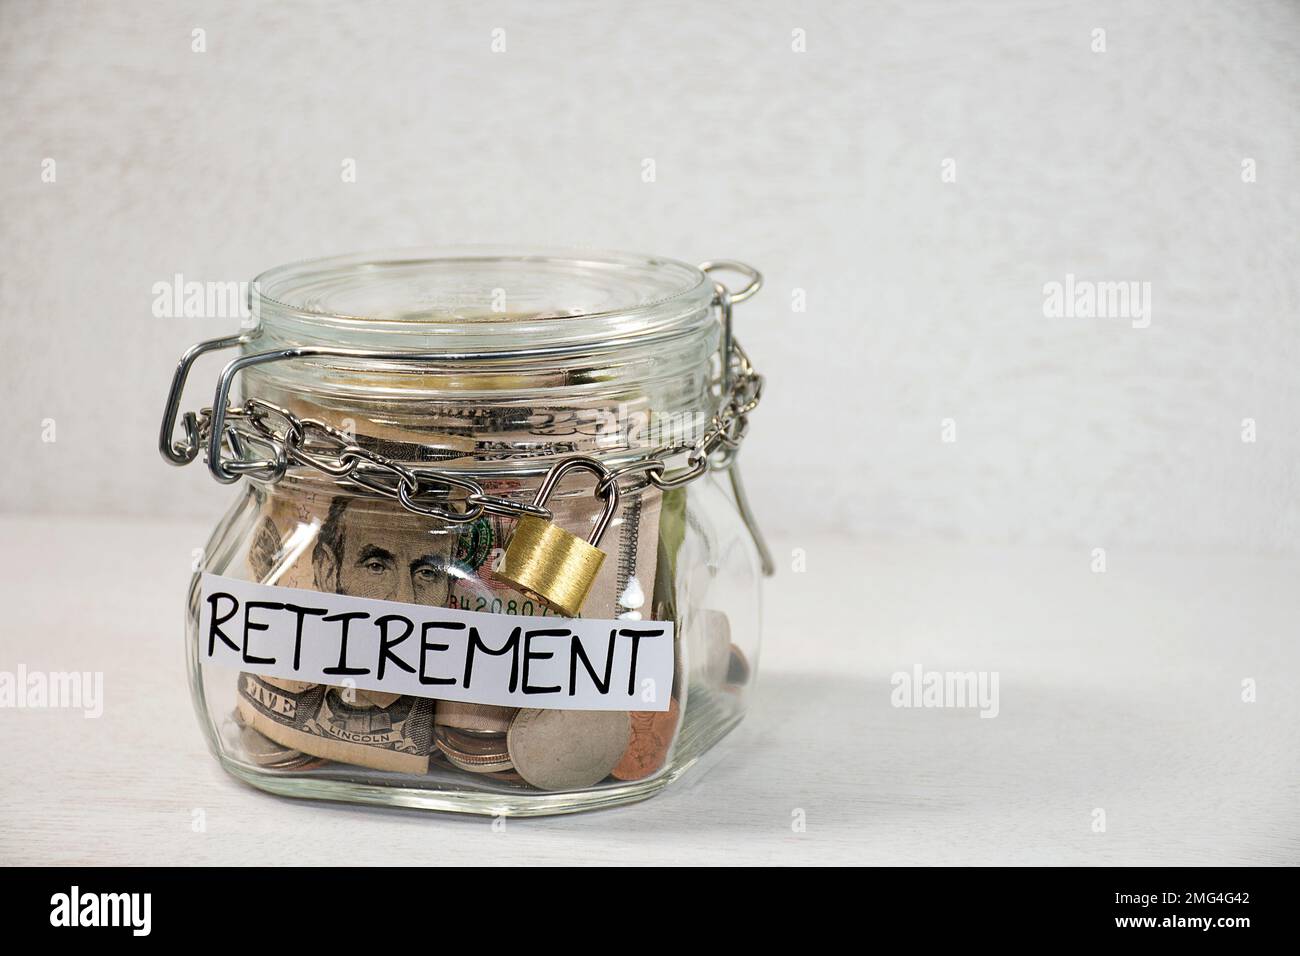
439 652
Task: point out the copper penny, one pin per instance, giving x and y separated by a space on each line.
738 669
647 748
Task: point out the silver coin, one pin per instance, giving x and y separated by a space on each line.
481 718
264 751
567 749
300 762
477 753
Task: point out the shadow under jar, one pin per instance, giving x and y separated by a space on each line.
491 553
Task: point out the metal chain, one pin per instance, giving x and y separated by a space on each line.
294 441
726 430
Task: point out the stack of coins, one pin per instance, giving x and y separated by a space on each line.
473 736
266 753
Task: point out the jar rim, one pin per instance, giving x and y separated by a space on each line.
480 298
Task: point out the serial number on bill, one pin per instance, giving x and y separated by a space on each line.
1167 898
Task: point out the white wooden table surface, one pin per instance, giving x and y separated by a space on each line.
1119 691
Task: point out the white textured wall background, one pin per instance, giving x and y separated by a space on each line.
823 168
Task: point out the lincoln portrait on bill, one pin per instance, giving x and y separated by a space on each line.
371 553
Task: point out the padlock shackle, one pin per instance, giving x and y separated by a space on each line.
610 492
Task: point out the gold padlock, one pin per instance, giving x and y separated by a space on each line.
549 563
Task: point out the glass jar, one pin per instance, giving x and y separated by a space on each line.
492 554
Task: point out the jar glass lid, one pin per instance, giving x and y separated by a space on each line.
481 299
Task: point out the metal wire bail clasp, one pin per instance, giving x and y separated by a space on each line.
725 299
741 389
182 453
544 560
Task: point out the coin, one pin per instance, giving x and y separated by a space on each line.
738 669
716 645
647 748
269 755
477 753
511 777
264 751
484 718
567 749
300 762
